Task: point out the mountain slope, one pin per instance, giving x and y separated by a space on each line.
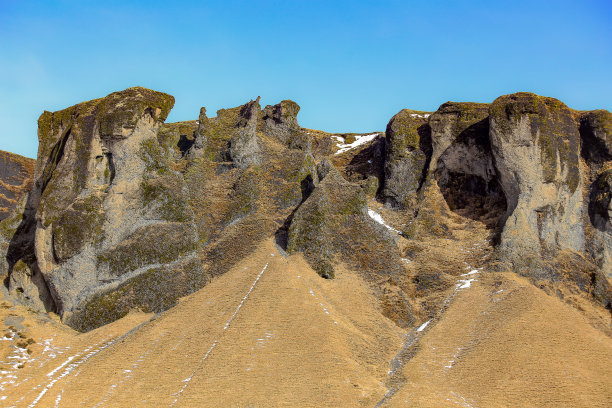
271 332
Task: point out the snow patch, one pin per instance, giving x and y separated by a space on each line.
423 326
464 284
359 140
379 219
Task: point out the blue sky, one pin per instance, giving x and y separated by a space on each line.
351 65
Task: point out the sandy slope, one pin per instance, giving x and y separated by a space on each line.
296 340
504 343
279 335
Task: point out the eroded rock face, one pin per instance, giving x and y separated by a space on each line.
599 230
462 161
596 149
245 173
16 178
459 174
127 211
407 158
536 145
333 225
596 133
106 209
280 122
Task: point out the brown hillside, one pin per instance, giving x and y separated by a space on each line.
282 336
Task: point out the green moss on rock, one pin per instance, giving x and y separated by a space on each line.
123 109
552 128
403 131
79 225
245 194
155 290
158 243
163 196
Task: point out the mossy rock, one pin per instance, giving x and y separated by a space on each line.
408 149
245 194
218 131
600 210
553 129
236 242
177 138
462 117
154 290
163 198
79 225
72 132
9 225
403 131
122 110
158 243
333 224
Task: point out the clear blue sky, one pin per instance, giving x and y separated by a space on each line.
351 65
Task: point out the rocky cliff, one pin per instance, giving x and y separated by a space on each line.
129 212
16 174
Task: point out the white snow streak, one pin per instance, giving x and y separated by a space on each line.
188 379
71 367
323 307
379 219
423 326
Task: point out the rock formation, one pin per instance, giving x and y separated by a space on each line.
536 147
16 174
408 154
107 222
129 212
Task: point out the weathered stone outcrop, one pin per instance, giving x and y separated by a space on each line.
536 146
596 149
245 145
516 166
462 162
458 175
408 153
245 172
332 225
106 209
280 122
16 178
129 212
596 134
